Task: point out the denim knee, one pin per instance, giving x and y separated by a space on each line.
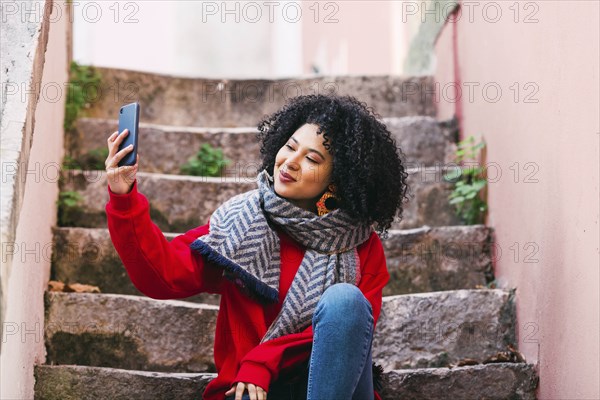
344 300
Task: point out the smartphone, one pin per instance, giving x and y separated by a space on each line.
129 117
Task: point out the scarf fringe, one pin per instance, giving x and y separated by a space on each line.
377 377
249 284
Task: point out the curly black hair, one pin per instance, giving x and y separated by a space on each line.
368 166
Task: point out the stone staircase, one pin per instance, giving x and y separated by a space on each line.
439 322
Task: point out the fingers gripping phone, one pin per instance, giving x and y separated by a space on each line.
129 117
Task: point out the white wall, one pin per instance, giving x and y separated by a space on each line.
201 39
186 38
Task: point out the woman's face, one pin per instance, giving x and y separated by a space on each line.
310 165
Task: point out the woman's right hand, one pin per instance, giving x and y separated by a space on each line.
120 179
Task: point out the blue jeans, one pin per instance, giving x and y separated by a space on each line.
340 360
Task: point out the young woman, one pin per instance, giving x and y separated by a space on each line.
297 261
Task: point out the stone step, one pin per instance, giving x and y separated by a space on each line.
170 100
131 332
419 260
87 255
164 149
182 202
498 381
120 331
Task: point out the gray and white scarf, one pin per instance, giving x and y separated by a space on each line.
242 241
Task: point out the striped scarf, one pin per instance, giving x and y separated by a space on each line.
243 242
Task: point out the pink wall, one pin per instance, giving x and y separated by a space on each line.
23 344
360 42
548 213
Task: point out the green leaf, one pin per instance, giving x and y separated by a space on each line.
477 185
458 199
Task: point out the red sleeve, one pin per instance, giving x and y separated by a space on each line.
158 268
262 365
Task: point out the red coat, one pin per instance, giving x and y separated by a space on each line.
171 270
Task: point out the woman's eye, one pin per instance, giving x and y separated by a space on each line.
309 159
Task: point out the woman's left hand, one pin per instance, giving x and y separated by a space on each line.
255 392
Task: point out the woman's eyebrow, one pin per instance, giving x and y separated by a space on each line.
315 150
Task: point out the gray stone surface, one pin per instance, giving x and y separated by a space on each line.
502 381
424 140
179 203
87 255
491 381
75 382
420 260
428 202
129 332
418 330
435 329
164 149
430 259
169 100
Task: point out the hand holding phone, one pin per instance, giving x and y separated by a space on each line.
122 161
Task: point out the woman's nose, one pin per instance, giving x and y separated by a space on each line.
292 165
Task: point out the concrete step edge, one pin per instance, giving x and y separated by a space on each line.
435 169
214 375
203 306
496 381
217 130
409 231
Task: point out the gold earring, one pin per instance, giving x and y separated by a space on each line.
328 201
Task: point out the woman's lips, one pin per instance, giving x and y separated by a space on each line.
283 178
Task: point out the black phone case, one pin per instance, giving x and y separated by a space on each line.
129 117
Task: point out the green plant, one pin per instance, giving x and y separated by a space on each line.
84 84
70 163
468 182
69 207
207 162
94 159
